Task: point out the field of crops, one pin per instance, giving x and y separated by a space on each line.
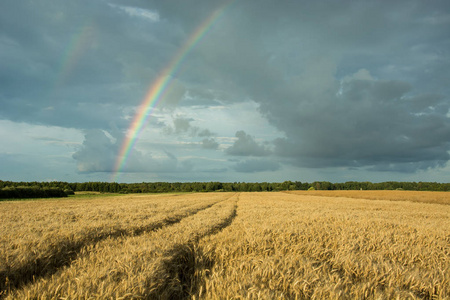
278 245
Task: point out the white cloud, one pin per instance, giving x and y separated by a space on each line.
210 143
138 12
245 145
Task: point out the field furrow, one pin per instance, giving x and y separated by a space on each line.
132 266
291 247
27 256
266 245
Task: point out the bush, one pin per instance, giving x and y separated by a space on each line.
69 192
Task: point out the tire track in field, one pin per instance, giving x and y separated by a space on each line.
185 262
63 253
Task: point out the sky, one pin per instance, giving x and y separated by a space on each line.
206 90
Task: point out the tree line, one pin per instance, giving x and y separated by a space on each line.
16 192
9 189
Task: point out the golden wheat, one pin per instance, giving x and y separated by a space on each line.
307 247
133 266
228 246
413 196
38 237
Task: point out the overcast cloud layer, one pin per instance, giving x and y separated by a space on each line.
275 90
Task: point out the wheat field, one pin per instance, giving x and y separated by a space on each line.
277 245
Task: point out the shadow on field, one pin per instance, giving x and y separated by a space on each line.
185 268
182 273
62 254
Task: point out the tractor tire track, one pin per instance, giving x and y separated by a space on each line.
184 264
64 252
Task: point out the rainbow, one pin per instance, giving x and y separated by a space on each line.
159 86
74 50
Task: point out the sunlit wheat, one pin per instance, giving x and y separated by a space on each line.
297 245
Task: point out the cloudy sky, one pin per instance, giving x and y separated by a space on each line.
274 90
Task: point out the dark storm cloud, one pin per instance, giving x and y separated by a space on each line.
71 115
256 165
368 123
79 57
354 84
182 126
334 112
